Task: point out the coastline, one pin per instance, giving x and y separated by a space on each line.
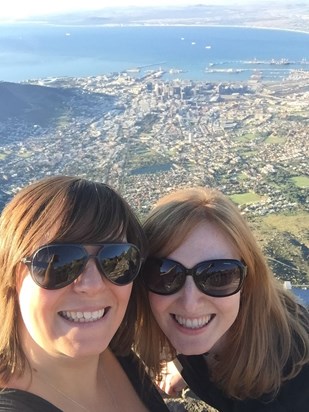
106 58
112 25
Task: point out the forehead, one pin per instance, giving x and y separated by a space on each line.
206 241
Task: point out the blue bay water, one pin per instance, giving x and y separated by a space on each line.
200 53
302 295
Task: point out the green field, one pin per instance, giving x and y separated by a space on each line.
284 237
275 140
301 181
245 198
296 224
247 137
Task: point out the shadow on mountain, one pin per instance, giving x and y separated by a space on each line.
31 103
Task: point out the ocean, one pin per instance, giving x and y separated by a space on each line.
29 51
302 295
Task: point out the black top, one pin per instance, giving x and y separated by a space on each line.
292 397
15 400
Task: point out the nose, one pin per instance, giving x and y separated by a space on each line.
90 280
190 295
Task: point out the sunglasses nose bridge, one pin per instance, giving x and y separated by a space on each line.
189 272
96 261
193 272
91 271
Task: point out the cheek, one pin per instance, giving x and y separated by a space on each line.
123 294
28 295
34 302
229 308
159 305
36 311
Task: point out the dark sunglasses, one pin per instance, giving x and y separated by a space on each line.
55 266
218 278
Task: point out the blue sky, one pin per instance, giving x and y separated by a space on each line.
16 9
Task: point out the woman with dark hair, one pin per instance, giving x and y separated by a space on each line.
240 338
70 254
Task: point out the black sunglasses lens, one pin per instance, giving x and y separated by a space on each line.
163 276
219 278
120 263
56 266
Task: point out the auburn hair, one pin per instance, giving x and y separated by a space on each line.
268 342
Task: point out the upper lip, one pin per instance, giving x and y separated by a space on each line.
92 309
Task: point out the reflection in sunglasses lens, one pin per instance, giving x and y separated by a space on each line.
173 279
218 278
119 264
56 266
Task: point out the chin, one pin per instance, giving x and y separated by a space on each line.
191 350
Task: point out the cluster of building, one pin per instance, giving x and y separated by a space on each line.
146 136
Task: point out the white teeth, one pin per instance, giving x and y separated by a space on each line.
192 323
83 316
87 315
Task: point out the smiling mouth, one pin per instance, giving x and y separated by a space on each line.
83 317
193 323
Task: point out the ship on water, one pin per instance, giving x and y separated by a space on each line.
133 70
228 70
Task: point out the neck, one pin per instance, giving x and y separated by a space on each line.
54 365
64 395
77 388
70 383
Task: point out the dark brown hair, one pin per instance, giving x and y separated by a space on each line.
66 209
